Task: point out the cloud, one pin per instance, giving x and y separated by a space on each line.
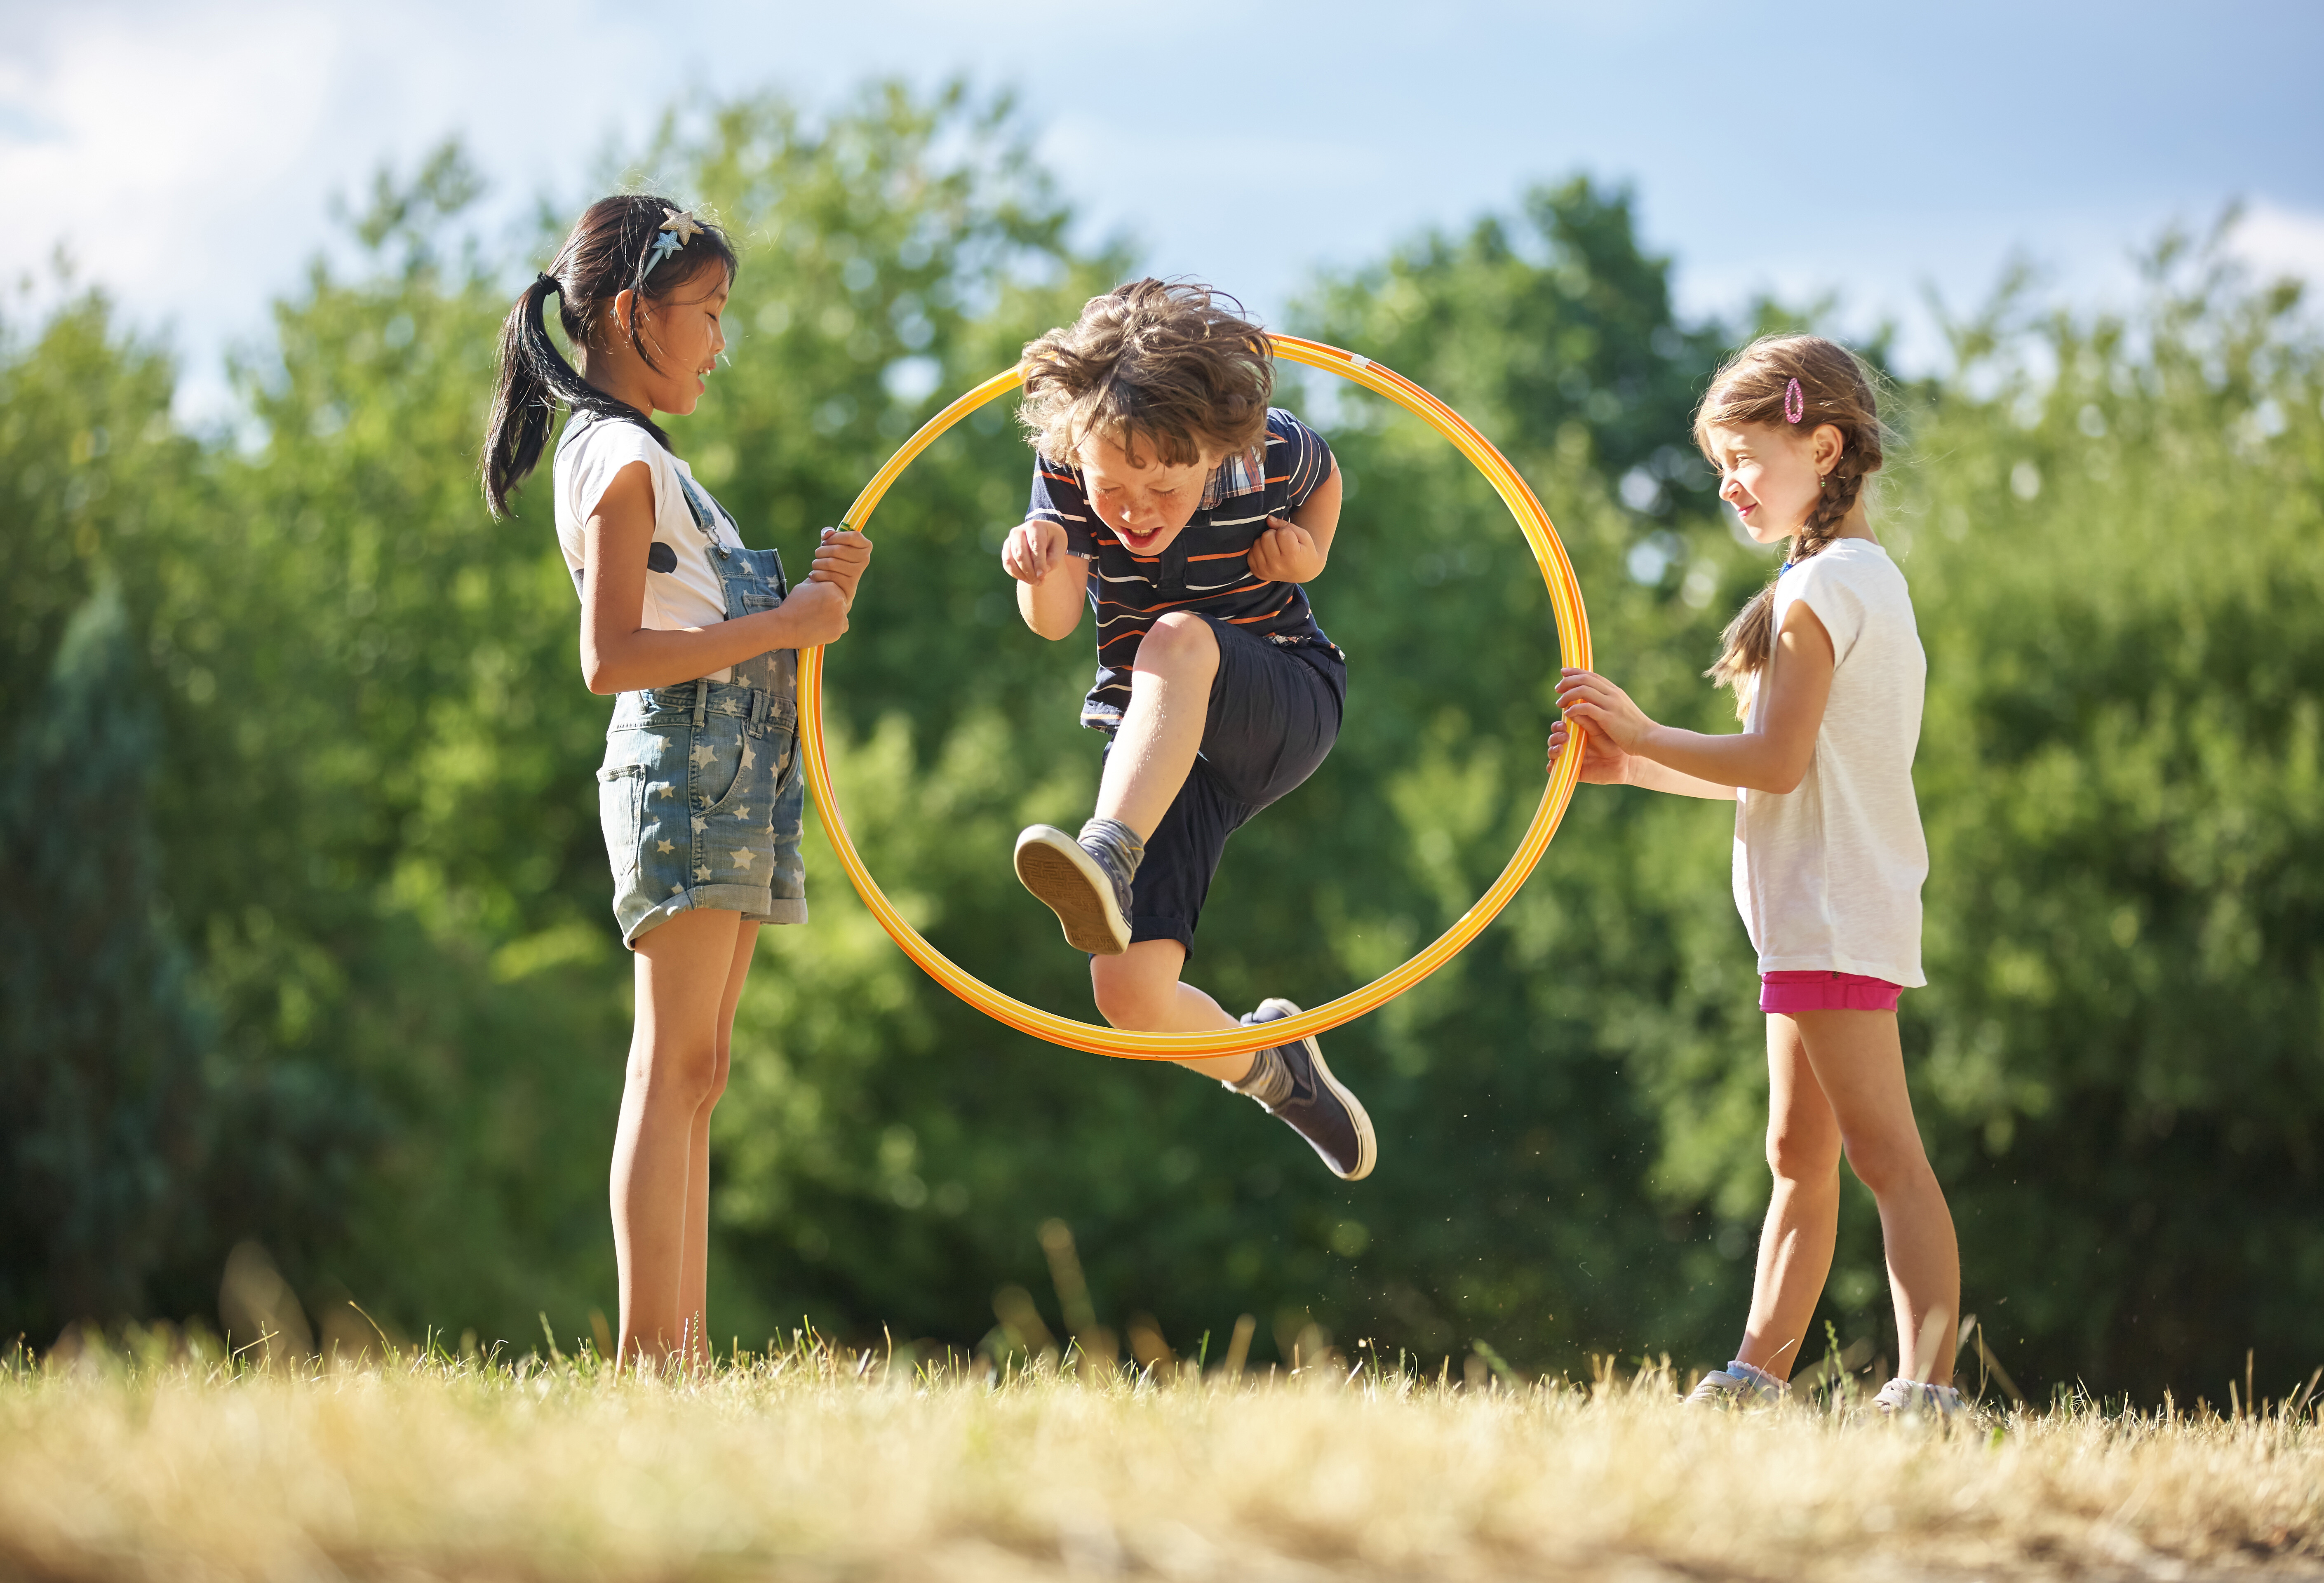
2276 240
141 141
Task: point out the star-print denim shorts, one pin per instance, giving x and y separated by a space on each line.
701 795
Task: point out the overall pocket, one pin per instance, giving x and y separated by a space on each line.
716 774
620 801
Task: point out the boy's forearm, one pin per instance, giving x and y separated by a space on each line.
1319 514
1053 607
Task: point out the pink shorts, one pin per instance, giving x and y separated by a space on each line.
1826 991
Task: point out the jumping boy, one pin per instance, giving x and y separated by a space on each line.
1201 510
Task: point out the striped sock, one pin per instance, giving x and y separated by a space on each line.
1118 841
1269 1081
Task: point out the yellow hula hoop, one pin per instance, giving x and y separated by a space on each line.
1573 644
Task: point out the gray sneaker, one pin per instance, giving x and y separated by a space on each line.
1081 885
1903 1398
1738 1384
1298 1088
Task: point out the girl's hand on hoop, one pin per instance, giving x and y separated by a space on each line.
1602 763
1285 553
815 614
840 560
1590 700
1033 550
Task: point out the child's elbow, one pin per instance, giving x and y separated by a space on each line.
1787 776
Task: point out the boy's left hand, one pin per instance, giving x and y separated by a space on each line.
1285 553
840 559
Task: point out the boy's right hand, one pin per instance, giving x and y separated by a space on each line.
1033 550
812 614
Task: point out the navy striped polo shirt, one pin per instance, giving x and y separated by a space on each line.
1205 569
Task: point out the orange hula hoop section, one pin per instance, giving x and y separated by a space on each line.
1574 645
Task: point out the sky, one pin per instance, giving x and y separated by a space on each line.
186 156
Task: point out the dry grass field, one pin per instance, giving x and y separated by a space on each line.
813 1462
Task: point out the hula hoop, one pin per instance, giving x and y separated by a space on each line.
1573 644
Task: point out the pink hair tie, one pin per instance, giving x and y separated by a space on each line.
1795 402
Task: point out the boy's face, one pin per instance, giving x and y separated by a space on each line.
1147 506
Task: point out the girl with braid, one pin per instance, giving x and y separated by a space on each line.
1827 669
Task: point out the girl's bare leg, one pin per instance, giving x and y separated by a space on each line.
1140 989
1795 1245
695 1279
1162 729
1861 1064
674 1066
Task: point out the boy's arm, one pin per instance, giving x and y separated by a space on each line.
1293 549
1052 582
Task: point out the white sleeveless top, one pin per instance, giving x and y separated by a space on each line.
689 593
1828 877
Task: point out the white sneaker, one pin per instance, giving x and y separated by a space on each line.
1901 1398
1738 1384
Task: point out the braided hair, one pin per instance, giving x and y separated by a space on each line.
1756 388
610 251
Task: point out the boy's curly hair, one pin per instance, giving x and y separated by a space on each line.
1171 364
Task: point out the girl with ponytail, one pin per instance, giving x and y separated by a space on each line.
1827 669
700 792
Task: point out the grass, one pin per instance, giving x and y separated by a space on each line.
811 1461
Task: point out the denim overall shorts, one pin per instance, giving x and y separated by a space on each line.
701 792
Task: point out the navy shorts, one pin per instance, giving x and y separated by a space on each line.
1275 712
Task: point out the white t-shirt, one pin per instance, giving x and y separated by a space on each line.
1828 877
687 595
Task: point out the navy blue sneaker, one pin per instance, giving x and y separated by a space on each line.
1291 1081
1082 884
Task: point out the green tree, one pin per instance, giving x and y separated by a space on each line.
2120 538
100 1041
353 703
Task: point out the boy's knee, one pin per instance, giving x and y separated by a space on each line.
1128 997
1179 641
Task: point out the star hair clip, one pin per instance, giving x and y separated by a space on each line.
676 229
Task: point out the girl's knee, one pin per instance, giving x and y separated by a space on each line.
683 1073
1803 1154
1887 1164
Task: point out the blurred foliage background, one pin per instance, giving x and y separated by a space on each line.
310 944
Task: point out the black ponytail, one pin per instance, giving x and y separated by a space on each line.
609 252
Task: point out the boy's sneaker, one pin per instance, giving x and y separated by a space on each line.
1903 1398
1738 1384
1082 883
1291 1081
